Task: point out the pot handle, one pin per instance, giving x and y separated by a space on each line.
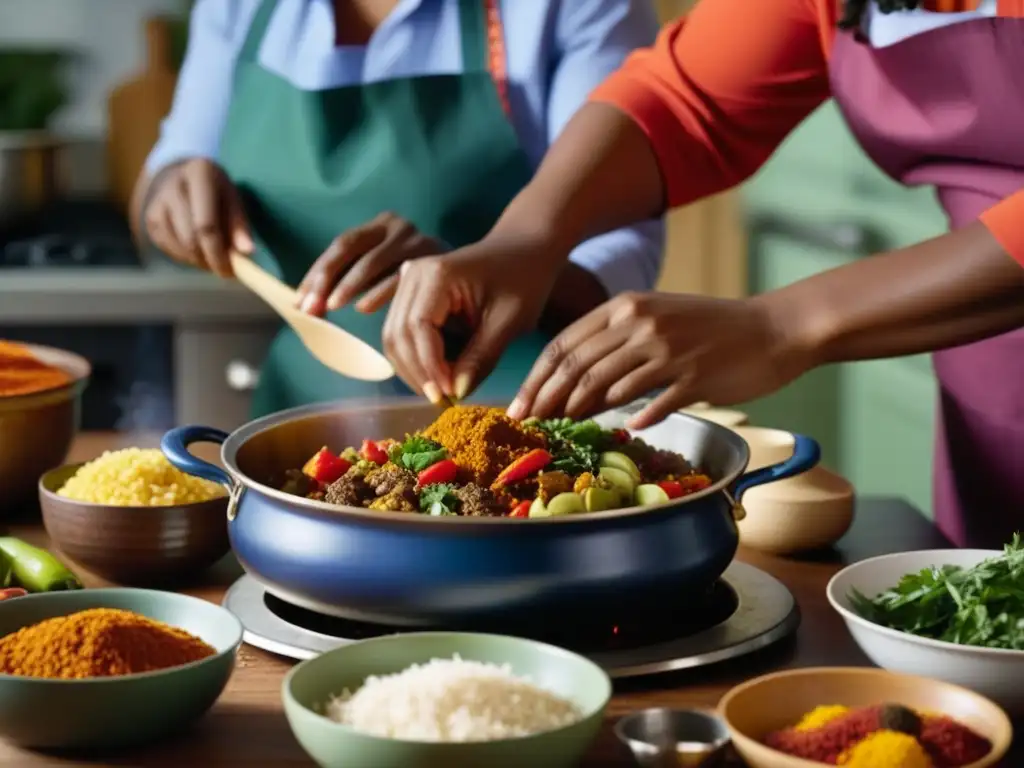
175 445
806 453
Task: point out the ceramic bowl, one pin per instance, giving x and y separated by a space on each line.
993 672
36 430
134 545
115 712
724 416
802 513
311 684
758 707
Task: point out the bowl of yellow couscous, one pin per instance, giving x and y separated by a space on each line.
130 517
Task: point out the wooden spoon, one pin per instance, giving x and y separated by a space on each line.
332 345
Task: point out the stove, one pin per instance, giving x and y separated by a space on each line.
70 233
746 610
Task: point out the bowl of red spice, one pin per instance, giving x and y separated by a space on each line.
40 398
863 717
110 668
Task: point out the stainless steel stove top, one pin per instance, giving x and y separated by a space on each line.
749 610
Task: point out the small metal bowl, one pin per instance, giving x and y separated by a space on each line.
660 738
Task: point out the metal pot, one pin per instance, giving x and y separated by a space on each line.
27 172
414 570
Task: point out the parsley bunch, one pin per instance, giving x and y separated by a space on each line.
982 605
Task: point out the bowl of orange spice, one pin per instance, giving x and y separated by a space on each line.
40 397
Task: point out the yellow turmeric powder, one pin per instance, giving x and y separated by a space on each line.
886 749
820 716
482 440
99 642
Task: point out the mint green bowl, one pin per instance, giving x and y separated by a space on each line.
309 686
114 712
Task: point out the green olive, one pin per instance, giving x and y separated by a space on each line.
621 482
649 494
597 499
537 509
621 461
568 503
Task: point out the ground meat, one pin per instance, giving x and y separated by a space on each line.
349 490
655 462
476 501
395 488
550 484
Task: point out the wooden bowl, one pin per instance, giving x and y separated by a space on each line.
772 702
36 430
724 416
134 545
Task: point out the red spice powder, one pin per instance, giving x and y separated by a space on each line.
825 744
951 744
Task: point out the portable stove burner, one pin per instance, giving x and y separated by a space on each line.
745 611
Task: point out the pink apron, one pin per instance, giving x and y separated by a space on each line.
946 108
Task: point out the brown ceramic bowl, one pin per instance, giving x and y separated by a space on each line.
36 430
134 545
758 707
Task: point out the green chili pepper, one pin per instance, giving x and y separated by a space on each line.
36 569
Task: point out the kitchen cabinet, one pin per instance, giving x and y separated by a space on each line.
819 204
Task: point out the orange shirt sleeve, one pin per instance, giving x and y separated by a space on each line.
1005 221
722 87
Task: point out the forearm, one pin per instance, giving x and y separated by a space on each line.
601 174
952 290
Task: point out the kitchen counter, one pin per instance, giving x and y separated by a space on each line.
247 728
159 292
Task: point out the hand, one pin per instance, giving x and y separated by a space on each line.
363 259
724 351
499 285
195 216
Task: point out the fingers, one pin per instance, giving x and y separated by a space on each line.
677 396
207 219
574 366
591 393
402 243
498 325
378 296
179 218
412 337
568 341
237 222
318 283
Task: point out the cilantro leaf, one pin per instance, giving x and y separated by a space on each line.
982 605
575 445
439 499
417 453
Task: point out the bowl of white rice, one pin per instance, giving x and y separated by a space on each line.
446 700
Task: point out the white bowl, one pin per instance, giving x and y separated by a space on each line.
993 672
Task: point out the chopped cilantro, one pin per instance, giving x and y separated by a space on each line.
982 605
575 445
439 499
417 453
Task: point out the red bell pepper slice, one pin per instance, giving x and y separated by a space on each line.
694 483
373 452
12 592
326 467
443 471
673 488
621 436
522 509
523 467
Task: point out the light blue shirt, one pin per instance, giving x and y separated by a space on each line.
557 52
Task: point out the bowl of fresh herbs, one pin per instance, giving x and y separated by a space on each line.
950 614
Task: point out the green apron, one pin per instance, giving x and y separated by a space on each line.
437 150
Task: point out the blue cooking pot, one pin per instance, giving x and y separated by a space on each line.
416 570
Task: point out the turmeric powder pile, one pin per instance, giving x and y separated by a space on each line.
482 440
99 642
22 373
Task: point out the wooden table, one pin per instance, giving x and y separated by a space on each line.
247 728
